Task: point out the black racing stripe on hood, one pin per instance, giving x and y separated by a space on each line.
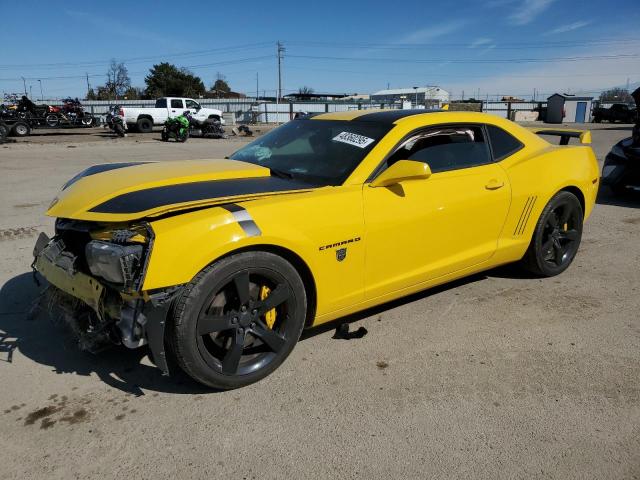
143 200
105 167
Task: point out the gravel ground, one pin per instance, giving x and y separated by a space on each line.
494 376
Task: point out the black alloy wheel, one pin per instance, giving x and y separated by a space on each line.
557 236
239 319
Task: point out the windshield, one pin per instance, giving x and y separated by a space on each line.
322 152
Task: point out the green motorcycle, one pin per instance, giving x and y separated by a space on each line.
177 128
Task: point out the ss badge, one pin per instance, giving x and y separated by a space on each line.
341 254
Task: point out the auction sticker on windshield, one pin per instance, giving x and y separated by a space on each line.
354 139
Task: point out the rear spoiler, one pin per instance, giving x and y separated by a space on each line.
565 135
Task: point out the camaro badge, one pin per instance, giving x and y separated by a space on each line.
341 254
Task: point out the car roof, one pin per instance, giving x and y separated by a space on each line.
373 115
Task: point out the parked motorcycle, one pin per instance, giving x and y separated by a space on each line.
73 111
621 170
177 127
115 122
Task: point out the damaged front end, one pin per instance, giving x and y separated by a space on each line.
95 273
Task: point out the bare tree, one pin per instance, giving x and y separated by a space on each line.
305 90
616 95
118 81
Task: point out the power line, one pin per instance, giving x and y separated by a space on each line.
499 46
203 65
194 53
470 60
466 75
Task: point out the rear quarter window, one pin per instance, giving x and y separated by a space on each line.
503 144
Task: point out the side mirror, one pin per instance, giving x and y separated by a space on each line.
400 171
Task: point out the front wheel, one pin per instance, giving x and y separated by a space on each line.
182 136
238 319
556 237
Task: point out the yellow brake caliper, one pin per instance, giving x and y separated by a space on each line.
270 316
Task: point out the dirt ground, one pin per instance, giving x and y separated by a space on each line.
496 376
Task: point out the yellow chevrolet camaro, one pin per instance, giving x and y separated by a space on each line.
221 264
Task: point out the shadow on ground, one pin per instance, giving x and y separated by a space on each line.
49 343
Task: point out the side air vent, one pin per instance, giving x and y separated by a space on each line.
524 216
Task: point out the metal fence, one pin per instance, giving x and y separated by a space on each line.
246 110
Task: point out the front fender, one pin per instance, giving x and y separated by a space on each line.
185 244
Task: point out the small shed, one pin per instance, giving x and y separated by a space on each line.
568 108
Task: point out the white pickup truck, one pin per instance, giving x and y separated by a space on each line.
143 119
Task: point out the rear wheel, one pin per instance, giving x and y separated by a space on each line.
21 129
238 320
556 237
86 120
52 120
145 125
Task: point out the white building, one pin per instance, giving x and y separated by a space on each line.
419 95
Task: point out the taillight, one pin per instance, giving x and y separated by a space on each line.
121 112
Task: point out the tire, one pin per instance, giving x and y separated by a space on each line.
597 120
119 129
4 132
145 125
164 135
182 137
556 237
220 334
86 121
21 129
52 120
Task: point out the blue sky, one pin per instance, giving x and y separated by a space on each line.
496 47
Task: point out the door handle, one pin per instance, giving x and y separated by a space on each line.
494 184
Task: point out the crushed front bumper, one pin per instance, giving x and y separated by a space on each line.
139 321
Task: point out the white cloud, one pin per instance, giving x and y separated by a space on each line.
568 27
426 34
559 76
478 42
528 10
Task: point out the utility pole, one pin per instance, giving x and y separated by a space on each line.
279 92
280 55
257 87
25 85
41 95
88 86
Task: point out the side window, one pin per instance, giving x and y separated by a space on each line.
192 105
446 148
176 103
503 144
161 103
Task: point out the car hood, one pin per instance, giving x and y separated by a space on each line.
118 192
